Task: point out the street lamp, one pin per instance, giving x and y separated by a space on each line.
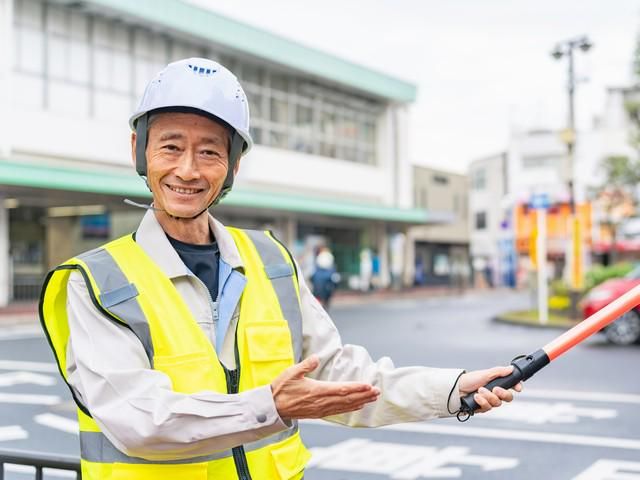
565 50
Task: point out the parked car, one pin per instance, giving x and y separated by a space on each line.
626 329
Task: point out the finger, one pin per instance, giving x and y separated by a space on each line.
482 403
518 387
497 372
493 399
306 366
502 394
346 388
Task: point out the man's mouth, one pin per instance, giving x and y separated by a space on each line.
184 190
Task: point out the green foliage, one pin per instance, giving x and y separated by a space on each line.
598 273
559 288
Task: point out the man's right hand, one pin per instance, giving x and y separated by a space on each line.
297 397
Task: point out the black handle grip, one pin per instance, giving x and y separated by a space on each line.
523 368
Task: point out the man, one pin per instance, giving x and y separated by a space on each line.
191 348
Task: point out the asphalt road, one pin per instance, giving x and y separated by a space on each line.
577 418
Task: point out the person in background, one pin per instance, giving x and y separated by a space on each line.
324 279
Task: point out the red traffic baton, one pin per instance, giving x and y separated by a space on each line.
525 366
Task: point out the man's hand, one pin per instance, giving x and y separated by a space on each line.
475 381
298 397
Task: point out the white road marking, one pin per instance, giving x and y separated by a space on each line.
21 332
16 378
29 399
605 469
47 367
48 472
605 397
13 432
56 421
540 413
503 434
401 461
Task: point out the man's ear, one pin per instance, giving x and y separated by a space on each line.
133 149
237 166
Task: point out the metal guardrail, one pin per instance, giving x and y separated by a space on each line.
39 461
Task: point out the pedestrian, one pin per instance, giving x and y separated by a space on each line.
191 349
324 279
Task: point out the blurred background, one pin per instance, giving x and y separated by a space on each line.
447 164
421 145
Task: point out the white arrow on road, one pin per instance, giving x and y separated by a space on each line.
540 413
611 470
402 462
13 432
17 378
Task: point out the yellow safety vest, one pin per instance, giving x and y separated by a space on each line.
130 289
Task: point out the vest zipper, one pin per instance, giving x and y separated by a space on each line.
233 384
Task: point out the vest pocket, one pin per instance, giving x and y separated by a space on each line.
269 350
290 458
137 471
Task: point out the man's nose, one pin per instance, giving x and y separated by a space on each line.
188 167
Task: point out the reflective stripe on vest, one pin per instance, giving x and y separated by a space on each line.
126 286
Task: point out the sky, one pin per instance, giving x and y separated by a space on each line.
482 67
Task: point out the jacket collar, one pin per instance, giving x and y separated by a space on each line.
153 240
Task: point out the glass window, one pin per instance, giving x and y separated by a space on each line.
29 50
29 13
79 26
57 48
79 62
481 220
279 111
57 20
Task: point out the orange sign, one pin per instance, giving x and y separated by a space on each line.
558 227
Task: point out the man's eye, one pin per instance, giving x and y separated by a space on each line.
210 153
171 148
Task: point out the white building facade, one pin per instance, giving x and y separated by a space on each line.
329 166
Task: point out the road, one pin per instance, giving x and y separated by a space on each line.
576 419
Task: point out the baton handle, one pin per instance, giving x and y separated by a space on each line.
524 367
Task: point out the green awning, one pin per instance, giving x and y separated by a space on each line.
112 182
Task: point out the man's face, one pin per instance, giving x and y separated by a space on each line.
187 162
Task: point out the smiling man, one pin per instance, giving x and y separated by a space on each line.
191 349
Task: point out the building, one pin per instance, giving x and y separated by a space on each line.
503 226
439 254
489 220
329 165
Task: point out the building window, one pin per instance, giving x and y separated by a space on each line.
479 179
68 60
440 179
481 220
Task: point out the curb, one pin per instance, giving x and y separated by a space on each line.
506 320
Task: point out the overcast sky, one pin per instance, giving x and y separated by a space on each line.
481 66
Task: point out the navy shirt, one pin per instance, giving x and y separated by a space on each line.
202 260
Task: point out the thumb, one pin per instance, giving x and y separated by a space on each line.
308 365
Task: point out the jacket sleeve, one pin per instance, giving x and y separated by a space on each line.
136 407
407 394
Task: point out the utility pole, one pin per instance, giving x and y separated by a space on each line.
566 49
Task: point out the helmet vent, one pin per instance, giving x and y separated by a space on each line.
202 70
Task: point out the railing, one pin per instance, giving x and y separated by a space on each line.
39 461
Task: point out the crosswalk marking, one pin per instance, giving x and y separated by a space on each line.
504 434
576 395
30 399
56 421
606 469
47 367
16 378
48 472
13 432
401 461
540 413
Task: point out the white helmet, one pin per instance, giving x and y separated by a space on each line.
201 86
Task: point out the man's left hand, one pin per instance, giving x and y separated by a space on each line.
474 381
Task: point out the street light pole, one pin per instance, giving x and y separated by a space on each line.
566 49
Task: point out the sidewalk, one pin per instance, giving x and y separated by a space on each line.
18 314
